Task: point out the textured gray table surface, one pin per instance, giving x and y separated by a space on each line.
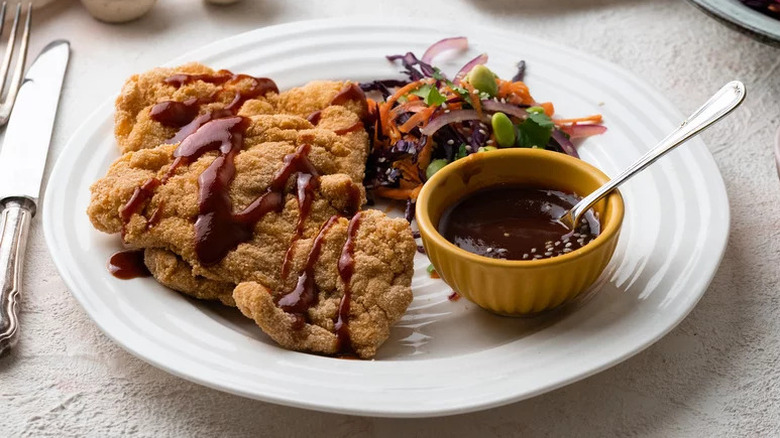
716 374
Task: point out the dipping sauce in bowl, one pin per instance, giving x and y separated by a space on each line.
466 209
516 222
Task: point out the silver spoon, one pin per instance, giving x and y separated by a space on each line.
720 104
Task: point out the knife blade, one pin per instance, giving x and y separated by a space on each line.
22 161
27 136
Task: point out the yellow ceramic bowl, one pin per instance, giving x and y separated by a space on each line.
517 287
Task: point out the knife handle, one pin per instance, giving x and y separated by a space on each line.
14 225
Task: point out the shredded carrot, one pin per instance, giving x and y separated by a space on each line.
407 107
424 157
596 118
549 110
475 102
417 119
399 194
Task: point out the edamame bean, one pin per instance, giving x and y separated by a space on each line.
503 129
481 78
435 166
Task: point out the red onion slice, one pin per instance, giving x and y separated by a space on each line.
454 43
566 144
582 131
506 108
444 119
409 107
481 59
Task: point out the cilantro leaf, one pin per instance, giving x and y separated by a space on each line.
430 95
535 131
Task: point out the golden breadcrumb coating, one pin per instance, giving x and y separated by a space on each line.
266 143
383 248
134 128
171 271
383 256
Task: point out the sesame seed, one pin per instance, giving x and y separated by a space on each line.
469 148
446 111
557 243
548 253
538 256
450 141
444 105
533 250
506 234
483 132
565 250
490 142
525 256
490 249
568 244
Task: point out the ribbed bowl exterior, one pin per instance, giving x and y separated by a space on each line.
518 291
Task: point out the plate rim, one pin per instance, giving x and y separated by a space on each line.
713 9
95 118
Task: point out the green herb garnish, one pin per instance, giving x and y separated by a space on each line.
430 95
535 131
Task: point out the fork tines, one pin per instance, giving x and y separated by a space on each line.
7 102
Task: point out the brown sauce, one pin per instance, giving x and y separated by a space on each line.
305 294
314 118
351 92
516 223
175 114
346 269
354 128
140 195
128 264
185 115
154 219
215 231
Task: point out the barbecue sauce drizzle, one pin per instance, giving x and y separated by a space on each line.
128 264
217 229
346 269
305 294
184 116
351 92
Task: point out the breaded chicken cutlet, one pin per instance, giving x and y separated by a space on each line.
257 196
136 128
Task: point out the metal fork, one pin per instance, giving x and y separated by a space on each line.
7 104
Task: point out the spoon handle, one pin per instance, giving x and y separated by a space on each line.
720 104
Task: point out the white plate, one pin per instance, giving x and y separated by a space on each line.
735 14
444 357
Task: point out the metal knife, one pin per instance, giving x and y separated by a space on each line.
22 160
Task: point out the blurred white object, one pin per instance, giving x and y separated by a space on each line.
221 2
117 11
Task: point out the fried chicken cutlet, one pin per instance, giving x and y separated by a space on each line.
220 208
200 90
